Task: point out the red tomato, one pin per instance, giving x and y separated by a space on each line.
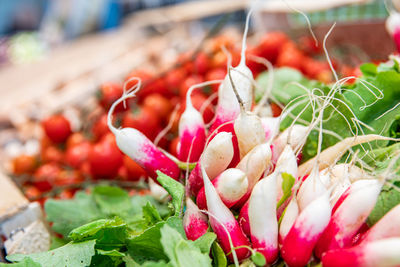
134 171
32 193
309 46
174 79
76 155
201 63
143 75
175 117
143 119
290 56
159 104
66 194
216 74
276 110
75 139
104 159
188 82
52 154
109 93
271 44
57 128
173 146
100 128
68 177
45 176
24 164
312 68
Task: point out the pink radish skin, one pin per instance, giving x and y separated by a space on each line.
289 217
223 222
195 222
349 217
215 159
254 165
310 189
262 218
387 226
192 133
249 132
139 148
231 186
299 243
385 252
244 219
271 127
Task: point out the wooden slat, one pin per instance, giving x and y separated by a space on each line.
11 198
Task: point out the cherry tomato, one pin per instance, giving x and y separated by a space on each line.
32 193
109 93
143 119
271 44
104 159
24 164
76 155
52 154
159 104
290 56
75 139
201 63
68 177
66 194
174 79
175 116
45 176
188 82
173 146
216 74
57 128
134 171
100 127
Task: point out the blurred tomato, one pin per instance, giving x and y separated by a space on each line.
32 193
216 74
100 127
66 194
131 79
271 44
68 177
174 78
308 45
159 104
201 63
143 119
290 56
173 146
45 176
134 171
75 139
76 155
188 82
57 128
108 94
105 159
24 164
174 117
52 154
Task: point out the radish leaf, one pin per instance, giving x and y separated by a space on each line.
174 188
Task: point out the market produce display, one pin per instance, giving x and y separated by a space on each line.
254 156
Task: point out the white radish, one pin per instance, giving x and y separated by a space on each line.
311 188
288 219
292 136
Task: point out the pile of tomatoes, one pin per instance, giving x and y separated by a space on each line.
69 159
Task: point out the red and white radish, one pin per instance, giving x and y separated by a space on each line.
311 188
349 216
286 163
215 159
289 217
299 243
384 252
231 186
262 218
195 222
271 127
224 224
139 148
292 136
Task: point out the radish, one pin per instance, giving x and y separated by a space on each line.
192 132
262 218
139 148
299 243
292 136
310 189
289 217
286 163
244 219
387 226
224 224
195 222
228 108
271 127
349 216
385 252
328 156
231 186
254 165
215 159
